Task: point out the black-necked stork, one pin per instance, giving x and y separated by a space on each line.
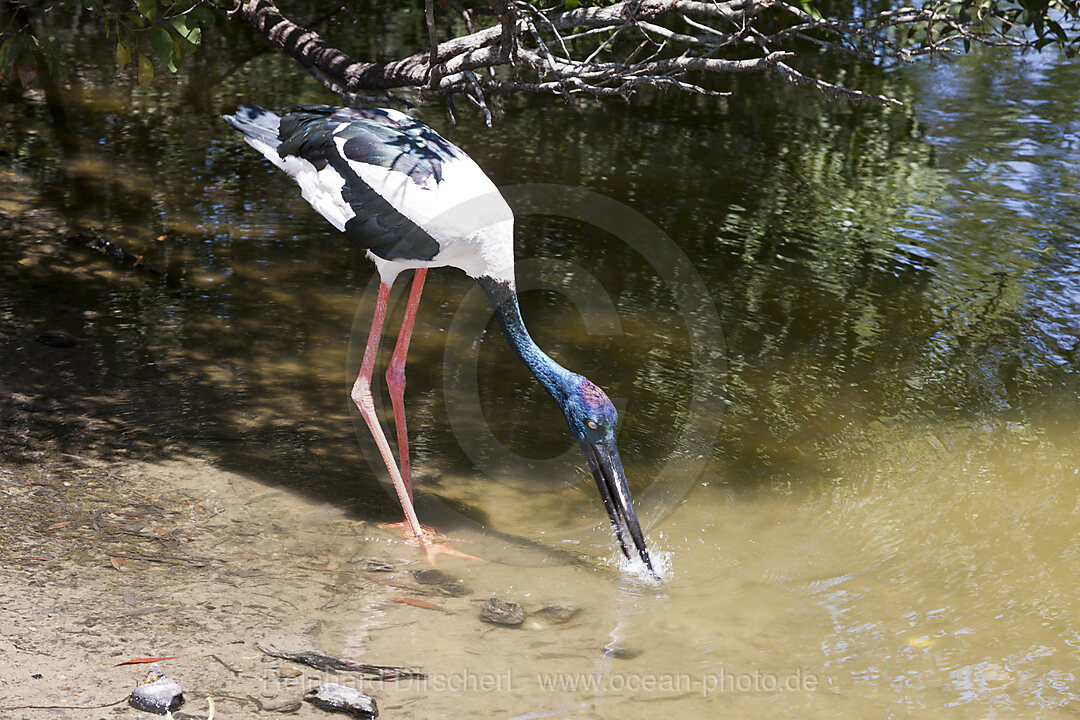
412 199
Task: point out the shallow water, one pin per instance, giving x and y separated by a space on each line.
843 342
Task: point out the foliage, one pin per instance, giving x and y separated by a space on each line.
598 48
167 30
1019 23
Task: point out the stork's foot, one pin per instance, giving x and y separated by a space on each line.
405 528
434 549
428 539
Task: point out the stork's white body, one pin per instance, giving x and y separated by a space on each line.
458 206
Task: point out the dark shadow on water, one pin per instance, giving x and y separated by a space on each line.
847 297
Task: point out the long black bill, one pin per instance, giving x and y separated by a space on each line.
611 480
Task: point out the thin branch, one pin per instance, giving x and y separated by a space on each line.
832 91
507 21
433 40
574 52
479 99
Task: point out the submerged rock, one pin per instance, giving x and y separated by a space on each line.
432 577
343 699
502 612
157 693
452 589
441 582
558 613
621 652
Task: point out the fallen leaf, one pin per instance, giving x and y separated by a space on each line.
139 661
57 526
424 604
117 562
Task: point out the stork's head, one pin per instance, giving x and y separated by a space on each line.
593 423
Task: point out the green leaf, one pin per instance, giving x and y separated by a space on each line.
163 46
180 26
810 10
134 18
177 53
123 55
187 29
146 70
1058 30
148 8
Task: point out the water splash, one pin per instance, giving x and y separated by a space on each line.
636 570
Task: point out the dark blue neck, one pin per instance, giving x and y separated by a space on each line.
554 377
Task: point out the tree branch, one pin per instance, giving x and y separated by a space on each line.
570 52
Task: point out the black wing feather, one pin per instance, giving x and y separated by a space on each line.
372 137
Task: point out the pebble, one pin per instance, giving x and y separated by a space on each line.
343 699
558 613
157 694
288 706
621 652
996 676
502 612
432 577
441 582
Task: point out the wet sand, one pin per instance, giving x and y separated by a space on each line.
117 547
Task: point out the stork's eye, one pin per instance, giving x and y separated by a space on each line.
592 425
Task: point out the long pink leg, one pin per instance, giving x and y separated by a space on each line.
395 377
361 395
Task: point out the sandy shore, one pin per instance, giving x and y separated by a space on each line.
116 546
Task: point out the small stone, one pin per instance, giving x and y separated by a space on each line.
432 577
621 652
502 612
288 706
343 699
157 694
288 672
441 582
558 613
996 676
452 589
